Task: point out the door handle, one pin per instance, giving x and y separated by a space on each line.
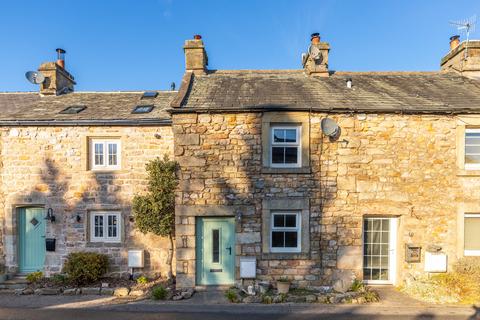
229 250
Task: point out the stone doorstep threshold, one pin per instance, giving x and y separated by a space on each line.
212 288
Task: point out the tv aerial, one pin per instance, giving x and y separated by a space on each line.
466 26
35 77
329 127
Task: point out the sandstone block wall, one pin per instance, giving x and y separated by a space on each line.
48 167
382 165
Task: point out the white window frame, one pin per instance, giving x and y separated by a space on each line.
105 143
298 229
469 166
105 215
297 144
469 253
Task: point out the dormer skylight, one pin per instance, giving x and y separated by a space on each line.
143 109
73 109
149 94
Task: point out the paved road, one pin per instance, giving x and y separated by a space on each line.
109 308
92 314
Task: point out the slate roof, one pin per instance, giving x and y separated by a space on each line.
102 108
407 92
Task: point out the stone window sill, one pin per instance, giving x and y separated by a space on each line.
285 256
468 173
103 244
304 170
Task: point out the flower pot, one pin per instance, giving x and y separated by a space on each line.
283 287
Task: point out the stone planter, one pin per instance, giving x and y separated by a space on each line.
283 287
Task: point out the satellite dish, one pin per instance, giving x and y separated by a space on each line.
35 77
329 127
315 53
304 59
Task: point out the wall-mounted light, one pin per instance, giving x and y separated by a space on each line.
50 216
78 218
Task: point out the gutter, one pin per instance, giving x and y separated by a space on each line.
444 111
78 123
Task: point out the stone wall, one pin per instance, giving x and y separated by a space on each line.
48 167
382 165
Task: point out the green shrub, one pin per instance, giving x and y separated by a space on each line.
267 299
159 293
357 285
142 280
232 296
34 276
59 278
85 267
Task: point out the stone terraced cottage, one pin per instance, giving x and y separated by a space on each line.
311 174
81 156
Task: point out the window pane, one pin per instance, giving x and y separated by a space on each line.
278 135
385 224
384 237
376 225
112 154
291 220
367 274
472 159
278 154
472 233
291 239
112 226
279 220
98 226
472 149
215 245
291 135
472 141
98 154
291 155
277 239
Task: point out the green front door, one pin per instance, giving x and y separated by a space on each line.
215 251
31 236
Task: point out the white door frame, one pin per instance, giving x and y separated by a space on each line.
392 251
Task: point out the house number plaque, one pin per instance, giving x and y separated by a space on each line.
413 253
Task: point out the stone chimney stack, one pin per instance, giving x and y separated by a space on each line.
315 62
57 80
463 58
196 59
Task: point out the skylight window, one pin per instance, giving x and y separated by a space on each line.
143 109
149 94
73 109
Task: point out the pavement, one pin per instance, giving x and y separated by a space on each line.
212 305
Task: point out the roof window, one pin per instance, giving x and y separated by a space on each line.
73 109
149 94
143 109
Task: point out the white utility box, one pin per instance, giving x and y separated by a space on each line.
135 258
435 262
248 267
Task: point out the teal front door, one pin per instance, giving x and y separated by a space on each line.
215 251
31 236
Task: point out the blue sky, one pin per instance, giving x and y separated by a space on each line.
137 45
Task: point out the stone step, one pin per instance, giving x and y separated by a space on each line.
16 282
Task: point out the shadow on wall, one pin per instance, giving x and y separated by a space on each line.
231 146
72 200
